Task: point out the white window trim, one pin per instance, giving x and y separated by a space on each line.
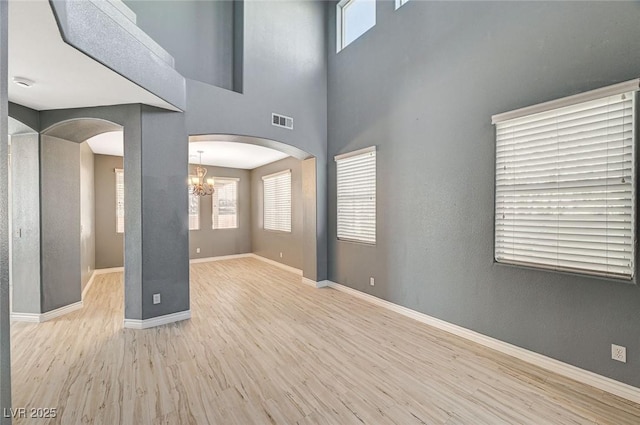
632 86
191 229
340 34
117 172
400 3
269 176
627 86
237 180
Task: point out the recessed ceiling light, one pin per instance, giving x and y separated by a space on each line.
23 82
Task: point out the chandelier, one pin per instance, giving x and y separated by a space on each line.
197 184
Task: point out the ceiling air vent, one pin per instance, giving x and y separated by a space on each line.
282 121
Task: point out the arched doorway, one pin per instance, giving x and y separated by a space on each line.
297 246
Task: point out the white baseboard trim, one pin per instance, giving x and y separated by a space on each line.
219 258
88 285
49 315
25 317
584 376
157 321
109 270
277 264
313 283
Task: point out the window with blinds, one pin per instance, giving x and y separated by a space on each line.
565 187
194 210
356 181
225 203
119 200
277 201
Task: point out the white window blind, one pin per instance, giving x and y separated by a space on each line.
225 203
356 181
194 210
119 200
277 201
565 197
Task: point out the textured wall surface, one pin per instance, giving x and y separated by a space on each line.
422 86
198 34
109 244
268 243
213 243
60 222
165 232
127 116
25 204
87 214
285 71
5 341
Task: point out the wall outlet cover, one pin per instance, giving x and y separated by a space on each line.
619 353
156 298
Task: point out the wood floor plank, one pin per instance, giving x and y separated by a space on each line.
262 348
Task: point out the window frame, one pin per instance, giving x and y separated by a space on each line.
341 8
400 3
349 155
191 195
631 87
235 181
120 223
264 203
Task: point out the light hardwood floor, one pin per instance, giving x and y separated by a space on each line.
263 348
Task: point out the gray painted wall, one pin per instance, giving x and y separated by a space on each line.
165 231
5 340
268 243
291 80
109 244
213 243
60 222
152 139
87 214
198 34
422 86
25 204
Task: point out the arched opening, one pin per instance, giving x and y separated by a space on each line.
280 227
53 220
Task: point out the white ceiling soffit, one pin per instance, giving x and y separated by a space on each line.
110 143
220 154
233 155
63 76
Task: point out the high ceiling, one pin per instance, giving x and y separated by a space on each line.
215 153
63 76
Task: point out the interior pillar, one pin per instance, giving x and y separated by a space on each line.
314 243
25 232
156 220
5 342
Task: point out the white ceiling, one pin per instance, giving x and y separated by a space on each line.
221 154
64 77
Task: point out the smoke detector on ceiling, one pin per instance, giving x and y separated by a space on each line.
23 82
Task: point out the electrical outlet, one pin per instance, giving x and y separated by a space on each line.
619 353
280 255
372 281
197 250
156 298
